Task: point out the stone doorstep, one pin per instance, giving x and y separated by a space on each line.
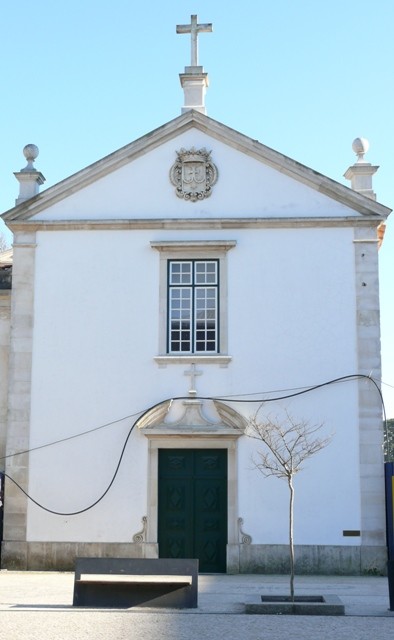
303 606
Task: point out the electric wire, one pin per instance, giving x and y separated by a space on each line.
356 376
76 435
387 384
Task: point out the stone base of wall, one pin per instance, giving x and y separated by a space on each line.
309 559
60 556
241 558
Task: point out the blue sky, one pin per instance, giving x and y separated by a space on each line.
83 78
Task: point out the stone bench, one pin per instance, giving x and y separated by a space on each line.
134 582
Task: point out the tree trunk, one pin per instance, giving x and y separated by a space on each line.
291 541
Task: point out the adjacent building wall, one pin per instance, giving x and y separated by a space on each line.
5 314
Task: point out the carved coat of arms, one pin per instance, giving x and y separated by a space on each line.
193 174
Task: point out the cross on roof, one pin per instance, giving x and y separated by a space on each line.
194 29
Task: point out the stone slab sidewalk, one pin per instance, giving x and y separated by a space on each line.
39 605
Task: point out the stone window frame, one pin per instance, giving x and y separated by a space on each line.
193 250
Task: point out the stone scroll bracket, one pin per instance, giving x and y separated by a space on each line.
244 538
140 536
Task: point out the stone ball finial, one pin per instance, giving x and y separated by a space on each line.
360 147
30 151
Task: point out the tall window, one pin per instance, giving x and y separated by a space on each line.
193 300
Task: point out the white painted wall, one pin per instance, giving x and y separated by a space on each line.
291 309
245 187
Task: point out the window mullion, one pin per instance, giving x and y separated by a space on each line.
194 311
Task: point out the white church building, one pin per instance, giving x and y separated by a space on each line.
160 298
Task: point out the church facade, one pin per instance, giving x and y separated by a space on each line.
163 298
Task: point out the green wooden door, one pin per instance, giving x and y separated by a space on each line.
192 510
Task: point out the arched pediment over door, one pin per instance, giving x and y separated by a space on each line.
193 421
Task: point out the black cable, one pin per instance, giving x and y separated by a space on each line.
76 513
229 398
355 376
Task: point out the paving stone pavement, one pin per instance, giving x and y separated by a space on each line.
38 605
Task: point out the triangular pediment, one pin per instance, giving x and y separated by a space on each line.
254 181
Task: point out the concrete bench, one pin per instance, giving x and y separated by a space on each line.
134 582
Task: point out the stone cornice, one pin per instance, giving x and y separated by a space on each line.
191 245
192 224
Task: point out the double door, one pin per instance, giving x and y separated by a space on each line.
192 509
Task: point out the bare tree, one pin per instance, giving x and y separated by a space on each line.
389 441
3 243
288 444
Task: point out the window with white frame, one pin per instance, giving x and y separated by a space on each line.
193 301
193 306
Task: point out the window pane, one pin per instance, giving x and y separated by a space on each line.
180 311
180 272
205 317
206 272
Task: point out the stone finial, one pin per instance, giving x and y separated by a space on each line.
29 178
360 174
194 81
30 151
360 147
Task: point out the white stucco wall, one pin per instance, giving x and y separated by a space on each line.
245 187
291 310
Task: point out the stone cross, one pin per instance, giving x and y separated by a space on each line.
193 373
194 29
